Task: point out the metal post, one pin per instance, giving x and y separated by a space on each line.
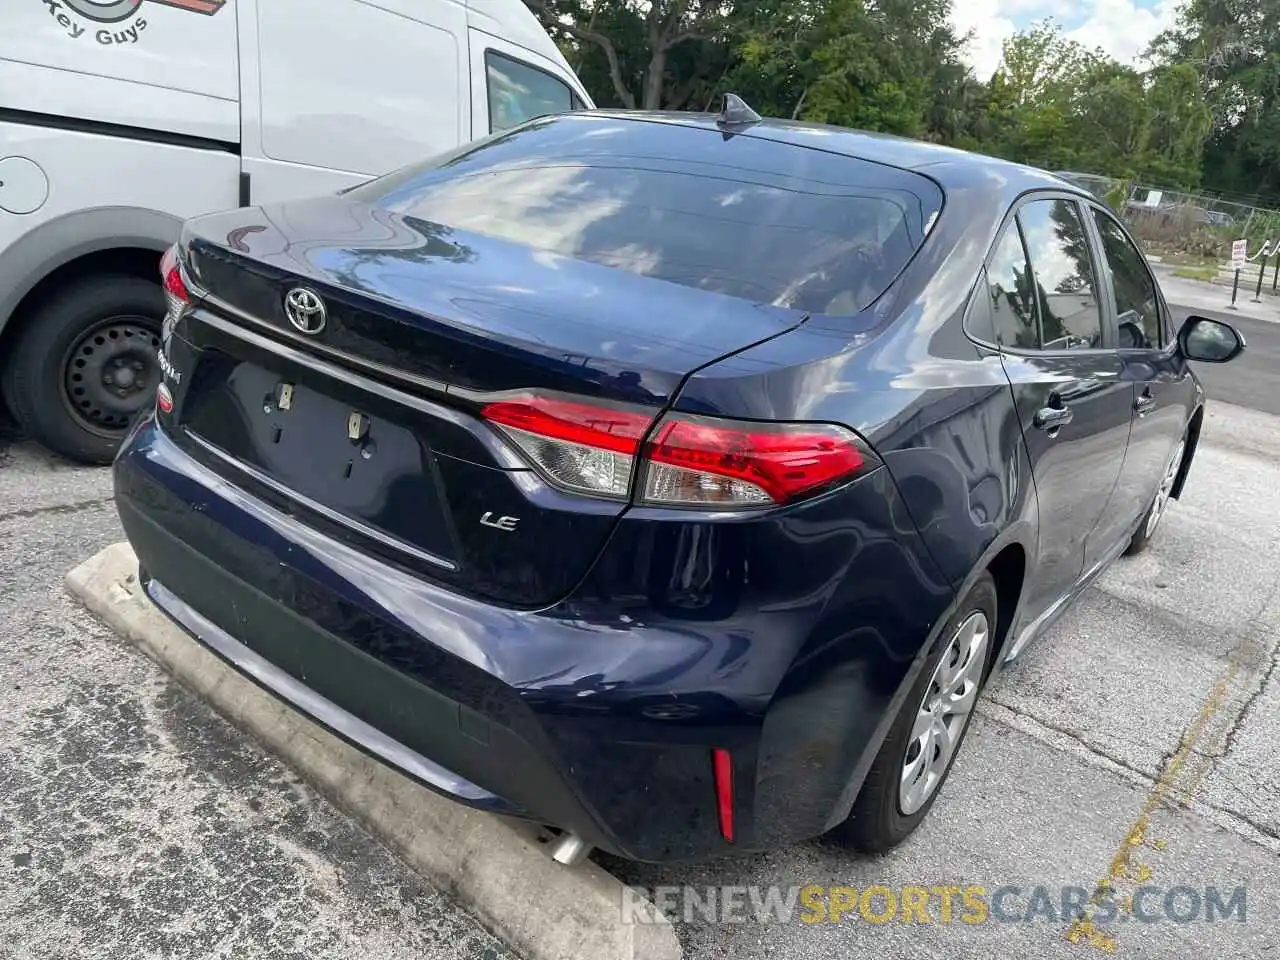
1262 268
1275 274
1235 287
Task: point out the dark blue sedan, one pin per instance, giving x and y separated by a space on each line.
673 480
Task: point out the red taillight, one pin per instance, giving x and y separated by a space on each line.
164 399
171 274
687 461
587 448
722 767
176 295
697 460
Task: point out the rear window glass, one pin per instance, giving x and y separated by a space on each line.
764 221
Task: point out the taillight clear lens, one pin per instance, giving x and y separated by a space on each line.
176 294
583 447
688 461
698 460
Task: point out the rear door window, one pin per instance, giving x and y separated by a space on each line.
1066 289
1136 303
519 92
1013 304
768 222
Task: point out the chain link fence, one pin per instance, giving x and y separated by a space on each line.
1169 221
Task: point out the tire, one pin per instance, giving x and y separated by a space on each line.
1159 504
84 365
881 817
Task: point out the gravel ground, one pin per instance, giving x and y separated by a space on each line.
134 821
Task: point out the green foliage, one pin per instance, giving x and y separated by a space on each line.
1207 114
1117 195
1233 49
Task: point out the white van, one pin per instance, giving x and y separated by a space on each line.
121 118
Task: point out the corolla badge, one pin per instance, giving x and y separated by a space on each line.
305 310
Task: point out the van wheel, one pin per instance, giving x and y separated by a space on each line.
927 733
85 364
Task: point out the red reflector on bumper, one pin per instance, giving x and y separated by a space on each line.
722 764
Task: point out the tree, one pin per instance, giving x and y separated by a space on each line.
1211 102
636 40
1234 47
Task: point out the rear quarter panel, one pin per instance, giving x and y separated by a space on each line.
934 404
939 410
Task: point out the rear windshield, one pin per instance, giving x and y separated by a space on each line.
764 221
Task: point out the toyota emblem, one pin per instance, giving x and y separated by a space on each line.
305 310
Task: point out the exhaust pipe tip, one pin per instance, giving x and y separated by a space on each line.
569 849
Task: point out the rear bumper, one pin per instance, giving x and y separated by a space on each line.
597 715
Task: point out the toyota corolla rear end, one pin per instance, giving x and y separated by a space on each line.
419 465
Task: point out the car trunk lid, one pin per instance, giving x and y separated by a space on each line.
370 427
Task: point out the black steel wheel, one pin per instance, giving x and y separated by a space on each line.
83 364
111 373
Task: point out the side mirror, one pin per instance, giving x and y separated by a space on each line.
1211 341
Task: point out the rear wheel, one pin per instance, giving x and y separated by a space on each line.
1151 519
927 733
85 363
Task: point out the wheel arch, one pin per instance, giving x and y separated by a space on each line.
116 237
1193 441
1008 568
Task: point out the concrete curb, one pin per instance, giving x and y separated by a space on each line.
495 866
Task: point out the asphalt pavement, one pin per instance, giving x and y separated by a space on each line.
137 823
1251 379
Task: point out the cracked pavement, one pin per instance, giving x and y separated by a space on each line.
137 823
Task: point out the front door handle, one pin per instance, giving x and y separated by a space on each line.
1144 404
1051 418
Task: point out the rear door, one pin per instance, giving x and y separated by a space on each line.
1161 378
336 91
510 84
1072 398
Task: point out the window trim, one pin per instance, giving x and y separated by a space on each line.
1108 331
489 53
984 277
1164 318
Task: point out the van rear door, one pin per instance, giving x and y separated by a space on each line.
341 90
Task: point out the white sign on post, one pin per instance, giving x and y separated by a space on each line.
1239 254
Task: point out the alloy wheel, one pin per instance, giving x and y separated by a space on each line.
1166 488
944 712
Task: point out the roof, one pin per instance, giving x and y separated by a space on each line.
946 165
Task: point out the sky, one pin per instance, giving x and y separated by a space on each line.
1123 28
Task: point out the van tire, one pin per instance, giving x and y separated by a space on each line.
112 322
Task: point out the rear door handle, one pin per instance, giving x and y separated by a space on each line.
1144 404
1051 418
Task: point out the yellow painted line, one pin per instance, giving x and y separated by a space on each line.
1084 931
